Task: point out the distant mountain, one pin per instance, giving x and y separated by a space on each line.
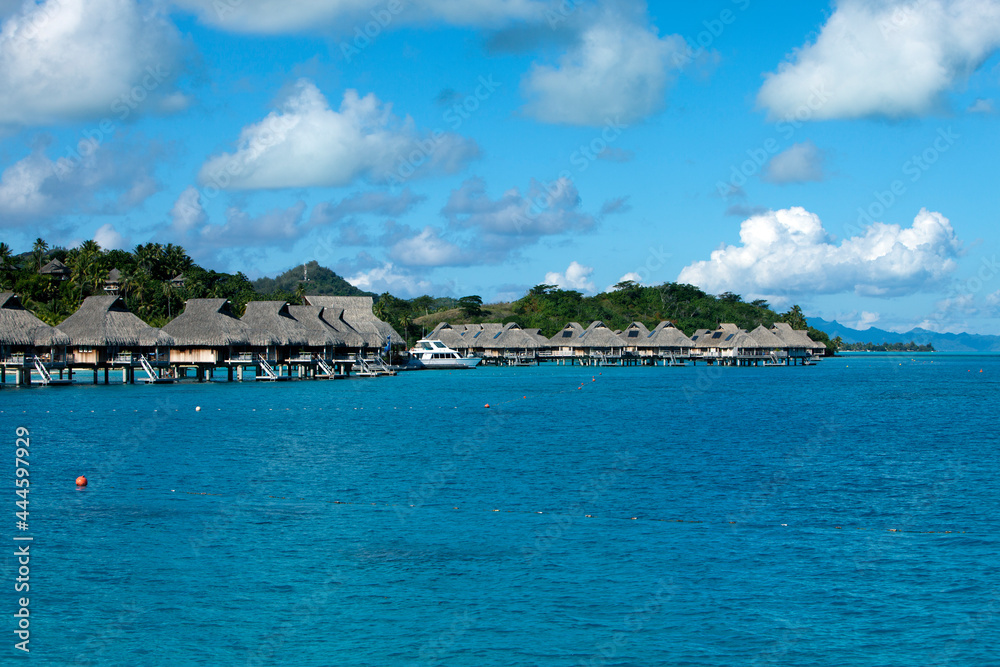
942 342
321 281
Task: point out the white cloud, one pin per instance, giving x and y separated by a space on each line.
280 16
387 278
982 106
71 59
893 58
428 249
187 213
307 144
617 71
788 252
109 238
375 202
865 320
514 219
99 179
798 164
576 277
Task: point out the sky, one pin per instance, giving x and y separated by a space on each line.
838 156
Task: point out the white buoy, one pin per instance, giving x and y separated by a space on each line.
197 408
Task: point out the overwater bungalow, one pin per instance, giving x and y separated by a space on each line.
797 343
207 335
600 342
636 337
669 341
275 334
113 282
357 312
451 336
104 334
770 346
563 344
330 348
511 346
23 337
478 335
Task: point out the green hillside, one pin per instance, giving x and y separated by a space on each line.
321 281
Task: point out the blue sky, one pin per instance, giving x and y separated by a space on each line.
837 156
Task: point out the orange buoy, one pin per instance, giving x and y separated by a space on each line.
81 481
487 405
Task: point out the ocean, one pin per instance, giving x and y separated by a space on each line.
842 514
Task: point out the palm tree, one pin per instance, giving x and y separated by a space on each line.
6 263
38 251
379 308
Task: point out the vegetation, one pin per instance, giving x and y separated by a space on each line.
886 347
311 278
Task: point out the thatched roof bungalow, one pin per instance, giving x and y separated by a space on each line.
358 314
56 269
598 339
23 336
564 343
478 335
666 338
510 340
102 331
797 341
449 335
207 332
323 337
273 331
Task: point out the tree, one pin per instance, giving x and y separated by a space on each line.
795 318
38 251
472 306
6 265
541 290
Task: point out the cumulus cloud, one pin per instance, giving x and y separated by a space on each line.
576 277
893 58
279 16
428 249
98 179
798 164
305 143
389 278
982 106
187 212
66 60
788 252
517 219
109 238
365 203
279 227
618 70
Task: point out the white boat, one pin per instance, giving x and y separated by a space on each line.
435 354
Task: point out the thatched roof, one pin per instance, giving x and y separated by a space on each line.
790 337
666 336
478 335
55 268
319 332
766 338
358 314
725 337
598 335
449 335
511 337
114 276
334 317
537 335
207 323
18 326
568 336
271 324
105 321
636 335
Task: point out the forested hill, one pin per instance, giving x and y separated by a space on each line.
321 280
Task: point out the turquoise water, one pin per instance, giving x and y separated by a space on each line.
792 516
